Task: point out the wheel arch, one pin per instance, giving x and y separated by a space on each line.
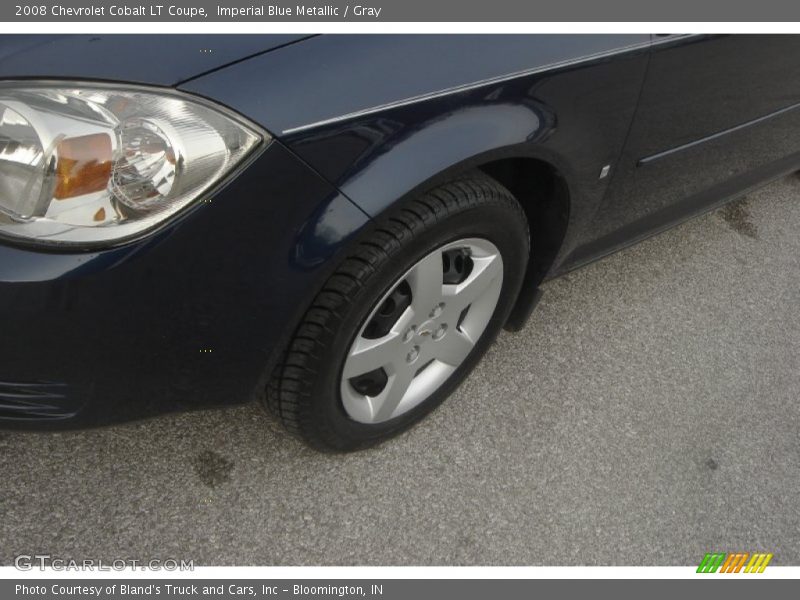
543 191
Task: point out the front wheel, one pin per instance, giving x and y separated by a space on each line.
405 317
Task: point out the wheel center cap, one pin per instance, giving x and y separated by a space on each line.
426 331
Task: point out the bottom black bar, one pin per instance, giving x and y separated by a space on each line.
396 589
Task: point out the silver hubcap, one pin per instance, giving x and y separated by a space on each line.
431 336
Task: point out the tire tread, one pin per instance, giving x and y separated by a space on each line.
288 390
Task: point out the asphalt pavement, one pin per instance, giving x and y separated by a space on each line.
648 413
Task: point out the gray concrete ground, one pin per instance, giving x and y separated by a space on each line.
647 414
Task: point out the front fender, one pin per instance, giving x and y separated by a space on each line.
381 117
390 157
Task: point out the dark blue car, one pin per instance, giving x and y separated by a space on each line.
339 226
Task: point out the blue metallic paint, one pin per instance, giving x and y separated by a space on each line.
567 100
151 59
189 317
195 314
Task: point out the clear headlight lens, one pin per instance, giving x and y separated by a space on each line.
96 164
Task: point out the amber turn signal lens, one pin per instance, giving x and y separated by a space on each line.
84 165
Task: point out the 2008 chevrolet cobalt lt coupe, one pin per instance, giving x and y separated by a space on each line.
339 225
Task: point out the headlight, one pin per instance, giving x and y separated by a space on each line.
93 164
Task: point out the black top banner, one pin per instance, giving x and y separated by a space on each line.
406 11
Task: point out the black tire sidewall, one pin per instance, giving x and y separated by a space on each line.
495 222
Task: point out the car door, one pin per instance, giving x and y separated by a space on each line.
717 115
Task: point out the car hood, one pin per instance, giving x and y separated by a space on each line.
157 60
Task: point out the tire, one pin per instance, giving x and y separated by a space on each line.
308 391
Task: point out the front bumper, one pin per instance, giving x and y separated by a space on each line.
192 316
